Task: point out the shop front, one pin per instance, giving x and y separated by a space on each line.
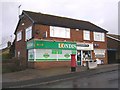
84 53
50 52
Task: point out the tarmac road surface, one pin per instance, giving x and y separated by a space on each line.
97 78
102 80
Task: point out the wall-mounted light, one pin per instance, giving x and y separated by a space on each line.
96 45
23 24
77 29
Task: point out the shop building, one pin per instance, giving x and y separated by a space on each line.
113 48
48 41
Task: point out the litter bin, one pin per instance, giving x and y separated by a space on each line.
92 64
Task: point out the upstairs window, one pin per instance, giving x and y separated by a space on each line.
59 32
86 35
19 36
28 33
99 36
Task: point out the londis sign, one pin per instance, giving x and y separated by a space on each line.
66 45
37 44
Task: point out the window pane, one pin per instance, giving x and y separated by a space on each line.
19 36
86 35
99 36
51 31
103 37
59 32
29 33
67 33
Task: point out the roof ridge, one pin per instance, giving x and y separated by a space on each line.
58 16
63 21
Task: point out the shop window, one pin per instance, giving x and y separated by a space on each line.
99 53
19 36
86 35
31 55
59 32
28 33
99 36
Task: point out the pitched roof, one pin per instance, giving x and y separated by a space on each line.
113 36
52 20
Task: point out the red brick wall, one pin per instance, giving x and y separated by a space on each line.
41 29
75 35
21 45
51 64
112 44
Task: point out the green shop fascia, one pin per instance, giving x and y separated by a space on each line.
39 50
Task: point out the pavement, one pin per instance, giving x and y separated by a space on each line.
30 74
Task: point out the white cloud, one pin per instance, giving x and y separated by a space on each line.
0 24
100 12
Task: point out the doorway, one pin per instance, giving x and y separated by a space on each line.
112 57
82 56
79 57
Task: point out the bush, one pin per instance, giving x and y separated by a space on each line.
6 56
14 64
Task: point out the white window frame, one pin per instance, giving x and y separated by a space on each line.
67 32
19 35
51 31
59 32
86 35
98 36
28 33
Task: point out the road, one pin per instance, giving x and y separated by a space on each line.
107 79
104 77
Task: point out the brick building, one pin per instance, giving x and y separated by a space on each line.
48 41
113 45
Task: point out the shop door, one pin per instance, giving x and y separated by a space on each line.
78 57
86 55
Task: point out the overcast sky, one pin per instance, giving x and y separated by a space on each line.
103 13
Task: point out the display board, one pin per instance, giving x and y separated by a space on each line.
39 44
50 54
99 53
